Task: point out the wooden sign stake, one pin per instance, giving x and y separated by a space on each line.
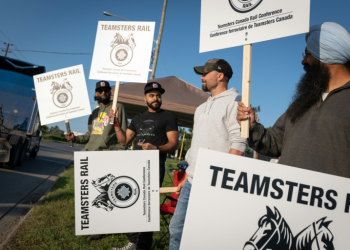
115 98
68 131
246 81
163 190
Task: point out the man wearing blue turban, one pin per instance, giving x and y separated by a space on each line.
314 132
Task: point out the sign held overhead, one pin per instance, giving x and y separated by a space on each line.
62 94
250 21
122 51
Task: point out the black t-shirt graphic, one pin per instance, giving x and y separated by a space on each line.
152 128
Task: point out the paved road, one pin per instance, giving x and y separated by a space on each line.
23 186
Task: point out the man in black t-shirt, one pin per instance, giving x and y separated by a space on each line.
153 129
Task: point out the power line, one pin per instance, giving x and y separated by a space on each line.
8 50
20 52
14 45
38 51
5 36
52 52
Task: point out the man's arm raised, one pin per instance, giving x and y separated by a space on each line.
123 137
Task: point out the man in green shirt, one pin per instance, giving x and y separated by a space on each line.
101 133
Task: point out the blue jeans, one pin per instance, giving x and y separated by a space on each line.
177 221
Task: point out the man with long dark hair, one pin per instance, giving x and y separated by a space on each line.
314 131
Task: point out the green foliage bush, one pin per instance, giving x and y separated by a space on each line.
54 138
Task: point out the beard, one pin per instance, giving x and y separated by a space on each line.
205 87
153 107
102 100
309 90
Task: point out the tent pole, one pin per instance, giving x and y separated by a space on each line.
182 145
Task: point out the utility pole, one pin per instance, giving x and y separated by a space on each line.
158 41
7 48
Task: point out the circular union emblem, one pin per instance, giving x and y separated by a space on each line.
121 55
62 98
243 6
123 192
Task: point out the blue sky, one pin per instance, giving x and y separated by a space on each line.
70 26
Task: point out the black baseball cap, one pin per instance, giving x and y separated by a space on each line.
216 64
103 84
154 86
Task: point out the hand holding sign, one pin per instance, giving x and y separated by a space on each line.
147 146
70 137
245 113
112 114
68 131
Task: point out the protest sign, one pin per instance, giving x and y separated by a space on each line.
122 51
62 94
230 23
242 203
116 191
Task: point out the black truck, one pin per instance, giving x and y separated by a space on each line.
19 114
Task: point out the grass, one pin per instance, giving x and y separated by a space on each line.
51 223
171 164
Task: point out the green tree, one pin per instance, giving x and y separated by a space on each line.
256 109
45 129
56 131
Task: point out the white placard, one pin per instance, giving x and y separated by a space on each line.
116 191
62 94
122 51
230 23
231 195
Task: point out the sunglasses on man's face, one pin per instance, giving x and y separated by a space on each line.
103 90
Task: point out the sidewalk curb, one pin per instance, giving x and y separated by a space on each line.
13 233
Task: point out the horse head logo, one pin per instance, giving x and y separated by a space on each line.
130 40
121 192
317 236
122 49
66 85
118 39
61 93
54 87
273 233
